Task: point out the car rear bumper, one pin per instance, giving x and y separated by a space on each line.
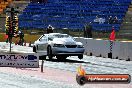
67 51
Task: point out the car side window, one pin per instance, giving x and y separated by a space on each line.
49 39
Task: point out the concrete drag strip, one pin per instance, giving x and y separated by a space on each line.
19 81
51 78
22 78
5 47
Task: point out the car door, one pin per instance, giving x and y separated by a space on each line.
42 46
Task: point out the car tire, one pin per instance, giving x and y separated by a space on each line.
81 80
61 58
80 56
49 53
34 49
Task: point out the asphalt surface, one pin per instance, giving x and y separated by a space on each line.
8 80
5 48
93 65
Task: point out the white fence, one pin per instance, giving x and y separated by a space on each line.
121 50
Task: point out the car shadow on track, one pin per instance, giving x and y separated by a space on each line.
66 61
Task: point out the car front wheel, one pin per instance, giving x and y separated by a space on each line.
80 56
49 52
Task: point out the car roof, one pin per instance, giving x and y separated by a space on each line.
54 34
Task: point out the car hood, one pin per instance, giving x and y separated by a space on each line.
66 41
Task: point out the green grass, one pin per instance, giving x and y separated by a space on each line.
27 38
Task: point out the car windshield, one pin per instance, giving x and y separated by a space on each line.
50 38
61 36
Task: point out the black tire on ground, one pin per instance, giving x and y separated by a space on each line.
81 80
34 49
61 58
49 52
80 56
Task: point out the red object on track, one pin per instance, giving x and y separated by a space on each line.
112 35
6 36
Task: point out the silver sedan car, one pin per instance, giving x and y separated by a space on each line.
59 45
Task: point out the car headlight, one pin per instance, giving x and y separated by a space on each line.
58 45
80 46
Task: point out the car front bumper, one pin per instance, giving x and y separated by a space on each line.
67 51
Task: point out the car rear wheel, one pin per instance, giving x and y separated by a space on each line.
80 56
34 49
49 52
